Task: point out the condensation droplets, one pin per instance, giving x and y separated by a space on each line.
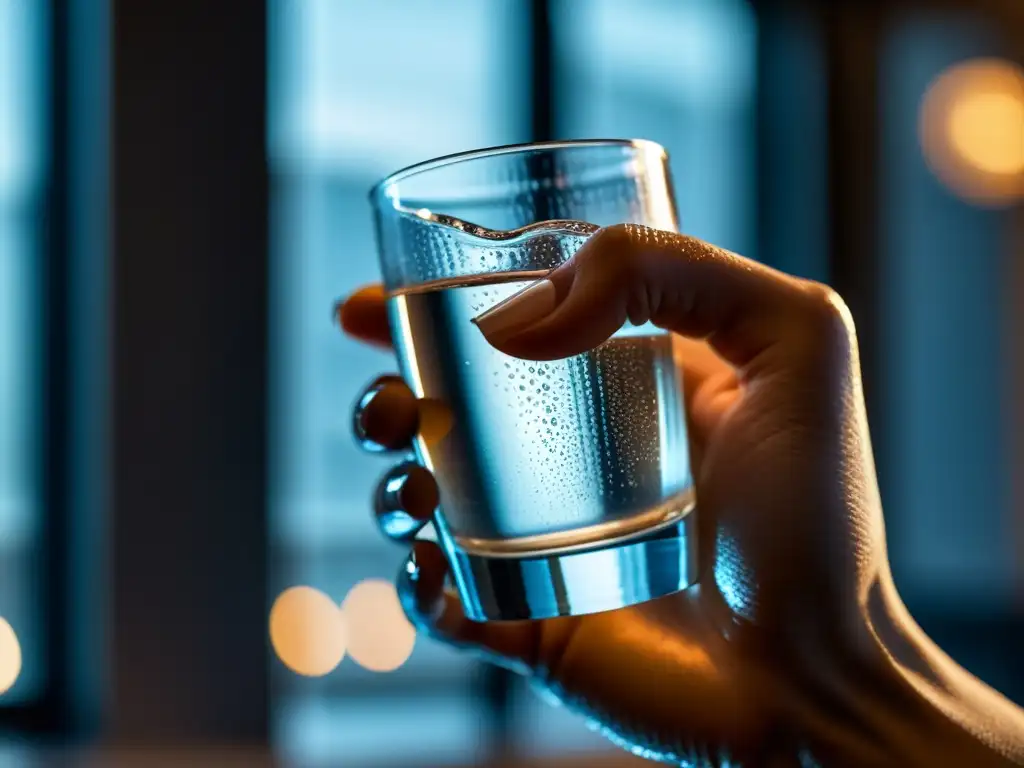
554 444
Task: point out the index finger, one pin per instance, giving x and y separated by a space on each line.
364 316
631 272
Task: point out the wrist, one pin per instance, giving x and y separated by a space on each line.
894 698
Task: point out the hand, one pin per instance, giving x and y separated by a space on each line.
793 645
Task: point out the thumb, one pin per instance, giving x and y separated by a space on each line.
629 272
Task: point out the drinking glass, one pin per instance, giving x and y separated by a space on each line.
565 486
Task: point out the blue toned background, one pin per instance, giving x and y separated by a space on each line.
23 160
183 197
356 94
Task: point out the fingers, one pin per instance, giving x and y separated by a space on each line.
703 373
697 360
363 315
386 416
432 609
629 272
702 370
405 500
421 584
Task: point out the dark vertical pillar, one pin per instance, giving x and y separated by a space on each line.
87 313
189 349
57 379
540 60
69 332
1013 398
1013 393
852 37
792 140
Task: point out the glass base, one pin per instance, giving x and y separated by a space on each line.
575 583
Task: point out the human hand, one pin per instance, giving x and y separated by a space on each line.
782 650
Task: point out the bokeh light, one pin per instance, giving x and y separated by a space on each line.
380 638
987 130
10 657
972 130
307 631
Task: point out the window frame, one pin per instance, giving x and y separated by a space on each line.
48 711
82 55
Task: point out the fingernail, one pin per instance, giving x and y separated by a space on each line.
385 396
518 311
400 514
418 590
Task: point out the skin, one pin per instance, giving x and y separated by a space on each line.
794 649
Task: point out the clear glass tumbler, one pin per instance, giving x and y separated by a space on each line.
565 485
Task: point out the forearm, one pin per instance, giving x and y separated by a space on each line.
903 702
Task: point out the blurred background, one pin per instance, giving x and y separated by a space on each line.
183 197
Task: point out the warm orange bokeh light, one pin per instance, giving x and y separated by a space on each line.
307 631
10 657
987 130
380 637
972 130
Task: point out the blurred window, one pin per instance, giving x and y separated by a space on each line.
358 90
22 174
680 74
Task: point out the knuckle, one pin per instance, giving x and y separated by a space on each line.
615 236
609 249
617 262
616 254
827 311
627 241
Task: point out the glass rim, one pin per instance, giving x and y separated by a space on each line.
509 149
